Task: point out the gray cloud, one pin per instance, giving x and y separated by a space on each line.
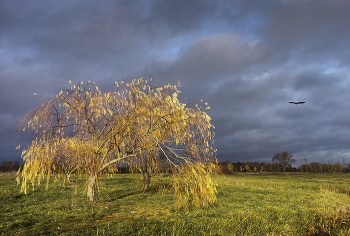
180 16
315 29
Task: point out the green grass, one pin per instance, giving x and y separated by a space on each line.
248 204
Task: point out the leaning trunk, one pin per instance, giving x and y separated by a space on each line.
90 187
146 179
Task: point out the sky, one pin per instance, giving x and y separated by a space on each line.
247 59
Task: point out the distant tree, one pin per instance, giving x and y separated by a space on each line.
267 167
9 166
283 159
230 167
315 167
337 167
304 167
261 169
121 125
226 167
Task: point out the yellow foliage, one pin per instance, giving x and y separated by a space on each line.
193 184
86 130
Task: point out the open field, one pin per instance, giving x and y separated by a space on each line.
248 204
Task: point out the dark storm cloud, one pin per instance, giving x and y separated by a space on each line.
84 39
209 60
247 59
315 29
216 56
180 15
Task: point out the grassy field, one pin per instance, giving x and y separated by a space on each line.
248 204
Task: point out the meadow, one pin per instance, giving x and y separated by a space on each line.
248 204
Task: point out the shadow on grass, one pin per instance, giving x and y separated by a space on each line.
17 196
118 195
158 188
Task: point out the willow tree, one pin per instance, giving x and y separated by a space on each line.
120 125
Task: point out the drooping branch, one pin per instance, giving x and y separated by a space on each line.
114 161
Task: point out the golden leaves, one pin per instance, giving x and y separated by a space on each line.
93 127
193 183
174 97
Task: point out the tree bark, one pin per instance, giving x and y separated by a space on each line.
146 180
90 187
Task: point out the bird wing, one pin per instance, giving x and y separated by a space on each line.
301 102
292 102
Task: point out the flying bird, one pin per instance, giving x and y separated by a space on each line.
296 103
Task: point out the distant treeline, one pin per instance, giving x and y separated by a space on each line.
257 167
7 166
225 168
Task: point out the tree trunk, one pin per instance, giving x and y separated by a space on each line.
68 178
90 187
146 180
